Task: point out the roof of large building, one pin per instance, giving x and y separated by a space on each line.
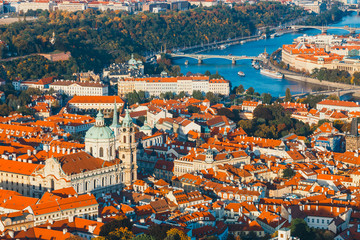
80 162
338 103
96 99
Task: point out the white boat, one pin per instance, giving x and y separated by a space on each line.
241 74
224 46
271 73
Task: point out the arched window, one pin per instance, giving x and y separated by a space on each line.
111 151
91 151
123 156
124 139
130 140
103 182
101 152
94 183
86 186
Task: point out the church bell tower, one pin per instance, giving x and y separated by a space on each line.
127 149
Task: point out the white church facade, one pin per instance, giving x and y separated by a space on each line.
107 165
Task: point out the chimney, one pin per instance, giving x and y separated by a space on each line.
34 151
53 149
68 151
49 227
63 150
71 219
65 231
58 149
29 152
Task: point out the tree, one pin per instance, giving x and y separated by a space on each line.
240 89
4 110
333 97
198 95
143 237
250 91
300 229
159 231
119 222
193 109
266 98
180 95
167 95
287 95
262 111
207 73
288 173
212 97
74 237
121 233
176 234
24 110
246 125
229 114
216 76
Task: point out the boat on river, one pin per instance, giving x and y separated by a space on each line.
241 74
271 73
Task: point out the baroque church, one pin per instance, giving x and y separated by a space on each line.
107 165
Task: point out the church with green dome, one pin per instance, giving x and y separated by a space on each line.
114 142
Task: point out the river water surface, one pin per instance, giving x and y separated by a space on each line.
253 78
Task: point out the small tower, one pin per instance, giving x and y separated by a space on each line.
209 156
353 139
127 149
53 39
115 126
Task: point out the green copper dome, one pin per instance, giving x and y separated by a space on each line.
145 127
99 131
96 132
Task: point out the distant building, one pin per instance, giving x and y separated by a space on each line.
338 105
154 86
81 88
132 68
86 104
72 6
156 7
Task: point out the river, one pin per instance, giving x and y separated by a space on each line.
253 78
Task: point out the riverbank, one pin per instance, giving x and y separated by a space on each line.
300 78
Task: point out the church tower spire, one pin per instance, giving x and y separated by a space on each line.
127 149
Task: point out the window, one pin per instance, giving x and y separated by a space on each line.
124 139
52 184
91 151
101 152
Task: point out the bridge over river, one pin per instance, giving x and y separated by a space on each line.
324 29
341 93
201 57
